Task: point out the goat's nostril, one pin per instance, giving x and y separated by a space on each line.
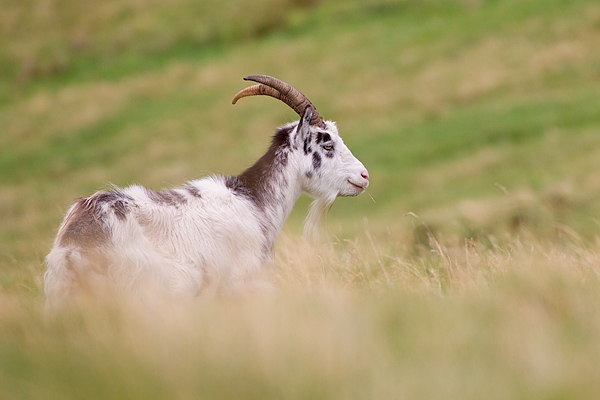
365 175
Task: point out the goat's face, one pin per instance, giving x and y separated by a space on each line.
327 166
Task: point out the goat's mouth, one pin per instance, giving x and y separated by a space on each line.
356 185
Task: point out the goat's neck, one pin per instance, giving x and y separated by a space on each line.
273 185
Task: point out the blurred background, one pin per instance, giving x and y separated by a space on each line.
479 121
479 116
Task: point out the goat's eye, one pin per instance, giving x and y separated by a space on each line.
328 147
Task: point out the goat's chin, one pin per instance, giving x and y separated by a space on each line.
351 190
352 193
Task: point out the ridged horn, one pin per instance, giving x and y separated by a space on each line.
269 86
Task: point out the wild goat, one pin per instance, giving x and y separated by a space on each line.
217 231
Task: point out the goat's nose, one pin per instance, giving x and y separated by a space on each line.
365 174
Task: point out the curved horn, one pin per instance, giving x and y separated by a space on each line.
258 90
280 90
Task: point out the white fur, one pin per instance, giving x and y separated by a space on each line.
215 239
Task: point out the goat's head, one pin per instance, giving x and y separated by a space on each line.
326 166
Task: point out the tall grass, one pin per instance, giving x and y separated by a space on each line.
363 319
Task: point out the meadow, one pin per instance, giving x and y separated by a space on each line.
470 269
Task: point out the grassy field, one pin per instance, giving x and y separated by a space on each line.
471 269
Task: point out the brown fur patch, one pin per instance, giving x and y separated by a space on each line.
251 183
84 224
193 191
166 197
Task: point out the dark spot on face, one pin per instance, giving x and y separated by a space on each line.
307 148
326 137
308 174
316 162
329 154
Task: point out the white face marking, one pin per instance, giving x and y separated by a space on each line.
329 167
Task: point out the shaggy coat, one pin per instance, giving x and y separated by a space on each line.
213 232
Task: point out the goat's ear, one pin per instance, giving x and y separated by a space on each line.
304 125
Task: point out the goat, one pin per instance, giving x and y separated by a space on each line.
217 231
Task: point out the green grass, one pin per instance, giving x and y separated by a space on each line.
470 270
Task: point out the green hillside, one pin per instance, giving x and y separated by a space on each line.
445 102
478 120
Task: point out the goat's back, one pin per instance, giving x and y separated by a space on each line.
180 239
